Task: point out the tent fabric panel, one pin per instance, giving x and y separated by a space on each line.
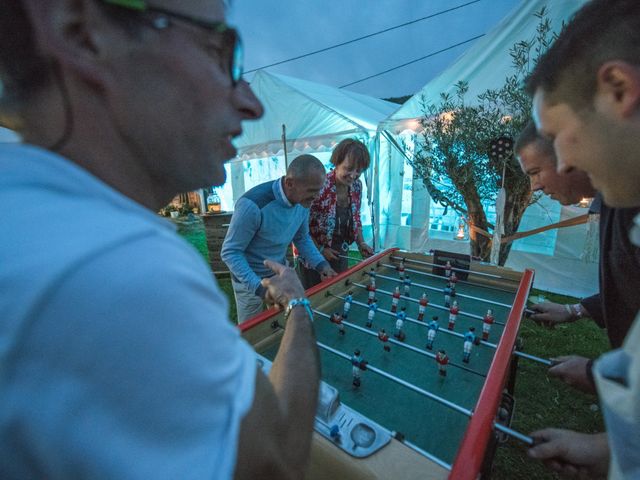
486 64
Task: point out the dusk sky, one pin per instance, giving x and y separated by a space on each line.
277 30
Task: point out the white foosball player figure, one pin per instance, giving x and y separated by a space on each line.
407 286
373 307
432 328
347 304
469 340
400 318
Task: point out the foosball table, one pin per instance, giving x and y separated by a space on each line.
418 357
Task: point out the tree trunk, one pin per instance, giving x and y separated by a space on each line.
517 202
480 245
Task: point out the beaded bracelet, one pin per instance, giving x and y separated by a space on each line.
298 302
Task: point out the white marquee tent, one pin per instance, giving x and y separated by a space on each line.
317 117
557 256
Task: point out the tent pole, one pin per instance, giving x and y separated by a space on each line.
284 146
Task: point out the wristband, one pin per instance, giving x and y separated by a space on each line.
575 311
303 302
569 310
577 308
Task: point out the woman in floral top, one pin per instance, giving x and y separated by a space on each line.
334 217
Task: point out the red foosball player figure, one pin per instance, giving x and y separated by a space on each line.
372 293
401 269
384 338
487 321
395 299
448 269
442 360
357 364
453 315
337 319
424 301
453 278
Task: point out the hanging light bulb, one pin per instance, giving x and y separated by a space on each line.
461 230
585 202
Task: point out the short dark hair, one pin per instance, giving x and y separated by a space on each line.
530 135
355 149
23 69
304 166
602 30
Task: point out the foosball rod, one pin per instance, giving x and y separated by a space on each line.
439 307
432 396
418 322
465 282
528 356
400 344
491 275
427 287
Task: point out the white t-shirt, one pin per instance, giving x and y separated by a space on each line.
117 357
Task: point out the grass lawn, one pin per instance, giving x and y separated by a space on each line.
540 401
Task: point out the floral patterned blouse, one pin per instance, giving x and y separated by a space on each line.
322 214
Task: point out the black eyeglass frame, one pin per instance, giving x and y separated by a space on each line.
231 36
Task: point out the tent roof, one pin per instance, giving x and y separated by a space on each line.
314 114
487 63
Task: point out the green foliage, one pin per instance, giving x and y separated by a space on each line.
452 156
194 233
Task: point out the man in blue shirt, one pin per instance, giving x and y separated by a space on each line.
265 221
117 356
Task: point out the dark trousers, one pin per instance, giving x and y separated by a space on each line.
310 277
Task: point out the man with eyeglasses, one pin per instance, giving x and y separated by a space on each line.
117 356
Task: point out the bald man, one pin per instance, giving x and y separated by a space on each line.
265 221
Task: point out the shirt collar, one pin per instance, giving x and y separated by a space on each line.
634 233
278 191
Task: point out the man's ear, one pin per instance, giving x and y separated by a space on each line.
289 182
618 88
71 34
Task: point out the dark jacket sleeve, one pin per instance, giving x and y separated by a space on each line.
593 305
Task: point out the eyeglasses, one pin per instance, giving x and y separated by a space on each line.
232 45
